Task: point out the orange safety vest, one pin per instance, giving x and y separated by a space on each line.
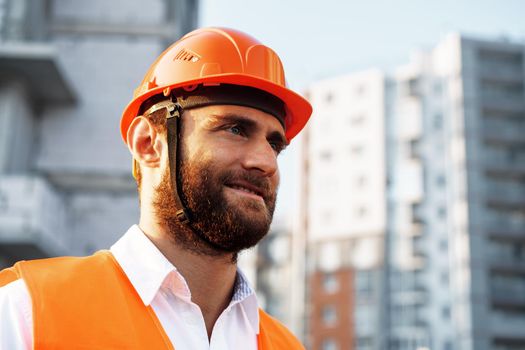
89 303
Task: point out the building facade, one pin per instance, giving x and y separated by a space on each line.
67 70
344 214
449 179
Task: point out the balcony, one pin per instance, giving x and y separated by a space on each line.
503 104
415 149
416 296
507 265
503 168
31 215
508 73
508 232
37 64
504 133
418 214
507 324
412 263
505 196
419 248
504 225
412 230
508 298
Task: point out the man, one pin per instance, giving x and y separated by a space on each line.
204 128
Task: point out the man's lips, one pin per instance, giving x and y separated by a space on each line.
247 187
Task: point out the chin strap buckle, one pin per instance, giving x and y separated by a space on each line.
182 216
173 107
174 110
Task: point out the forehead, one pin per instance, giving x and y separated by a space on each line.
219 113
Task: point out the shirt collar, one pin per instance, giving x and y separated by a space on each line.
148 270
146 267
245 296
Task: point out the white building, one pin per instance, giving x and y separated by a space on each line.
441 186
345 209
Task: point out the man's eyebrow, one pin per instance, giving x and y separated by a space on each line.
278 137
233 118
249 124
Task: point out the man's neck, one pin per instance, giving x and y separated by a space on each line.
210 278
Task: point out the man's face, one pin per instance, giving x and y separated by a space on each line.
229 178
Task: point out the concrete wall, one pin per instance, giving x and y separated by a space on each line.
103 49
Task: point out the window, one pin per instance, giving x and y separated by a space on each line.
329 344
444 278
327 215
4 202
279 249
361 211
330 283
361 181
518 252
513 154
440 180
438 121
413 87
442 212
492 89
325 155
356 120
329 315
415 148
438 88
360 90
445 312
329 256
498 57
363 343
417 213
356 150
363 282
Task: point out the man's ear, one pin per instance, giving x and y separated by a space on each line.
143 143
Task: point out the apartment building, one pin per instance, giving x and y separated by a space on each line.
444 192
345 211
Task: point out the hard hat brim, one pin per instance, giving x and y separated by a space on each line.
298 109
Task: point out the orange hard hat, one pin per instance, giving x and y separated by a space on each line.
213 56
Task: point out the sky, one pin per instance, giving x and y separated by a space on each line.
323 39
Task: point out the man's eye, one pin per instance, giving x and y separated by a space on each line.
277 147
235 130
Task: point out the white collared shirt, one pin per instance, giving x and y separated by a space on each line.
158 284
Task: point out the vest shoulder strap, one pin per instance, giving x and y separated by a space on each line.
8 275
273 335
88 303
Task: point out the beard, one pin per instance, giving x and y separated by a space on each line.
229 225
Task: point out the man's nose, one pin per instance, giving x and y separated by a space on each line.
260 156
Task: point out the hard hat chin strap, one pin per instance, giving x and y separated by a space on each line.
173 125
173 117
